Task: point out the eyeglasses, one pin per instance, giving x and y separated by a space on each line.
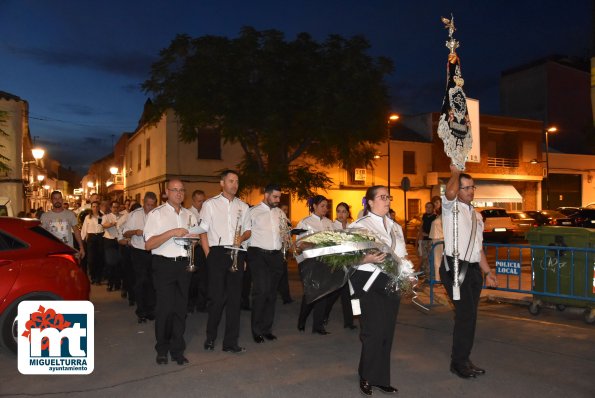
472 187
177 190
384 197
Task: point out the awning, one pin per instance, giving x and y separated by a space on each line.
497 193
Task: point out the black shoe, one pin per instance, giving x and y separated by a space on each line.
365 387
350 327
301 328
475 369
131 303
270 336
463 371
123 294
236 349
259 338
209 345
142 319
181 360
387 389
150 317
161 359
320 331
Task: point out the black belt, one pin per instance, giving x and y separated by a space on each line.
140 250
265 250
179 258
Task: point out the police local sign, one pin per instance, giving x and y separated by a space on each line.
508 267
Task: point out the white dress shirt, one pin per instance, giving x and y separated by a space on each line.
313 223
165 218
195 211
387 230
219 217
136 220
111 232
465 218
264 223
91 226
338 225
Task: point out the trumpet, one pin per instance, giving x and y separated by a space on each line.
236 246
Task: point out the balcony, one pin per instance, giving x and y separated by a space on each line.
502 162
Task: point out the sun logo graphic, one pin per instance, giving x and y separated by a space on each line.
56 337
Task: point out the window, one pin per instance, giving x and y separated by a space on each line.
408 162
209 143
413 208
148 153
8 242
139 156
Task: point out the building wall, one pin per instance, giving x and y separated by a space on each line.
583 165
11 182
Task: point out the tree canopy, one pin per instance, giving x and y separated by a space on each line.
291 105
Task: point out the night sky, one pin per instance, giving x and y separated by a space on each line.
80 64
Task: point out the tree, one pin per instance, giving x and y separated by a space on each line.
291 105
3 159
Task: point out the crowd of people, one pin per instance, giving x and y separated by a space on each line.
241 263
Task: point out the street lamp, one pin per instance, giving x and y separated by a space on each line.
547 164
113 170
392 118
37 153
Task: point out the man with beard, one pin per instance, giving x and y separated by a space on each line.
265 260
222 216
62 223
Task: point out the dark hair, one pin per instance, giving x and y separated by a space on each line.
464 175
55 193
114 201
198 192
225 173
347 207
137 205
370 195
148 195
315 200
272 187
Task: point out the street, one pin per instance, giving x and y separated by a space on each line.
551 355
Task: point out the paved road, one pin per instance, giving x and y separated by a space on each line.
552 355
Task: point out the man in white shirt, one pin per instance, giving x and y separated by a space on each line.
265 260
460 191
199 286
223 217
144 292
62 223
171 277
110 247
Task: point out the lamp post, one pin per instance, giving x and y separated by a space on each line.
392 118
547 164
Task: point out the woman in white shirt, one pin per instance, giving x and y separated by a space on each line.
92 233
315 222
378 310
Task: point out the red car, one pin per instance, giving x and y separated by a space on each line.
34 265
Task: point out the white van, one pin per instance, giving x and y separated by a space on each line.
6 207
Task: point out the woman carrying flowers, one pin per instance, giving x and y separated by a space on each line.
379 308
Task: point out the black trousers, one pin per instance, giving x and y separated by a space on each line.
198 293
127 271
112 262
95 257
378 320
266 268
284 284
144 291
318 306
171 282
225 290
331 299
465 310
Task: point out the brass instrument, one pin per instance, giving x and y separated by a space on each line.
188 244
236 246
285 232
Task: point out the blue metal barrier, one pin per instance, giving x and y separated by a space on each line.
542 271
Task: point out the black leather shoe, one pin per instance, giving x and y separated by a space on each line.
350 327
234 349
258 338
142 319
270 336
475 369
301 328
365 388
320 331
209 345
387 389
161 359
181 360
150 317
463 371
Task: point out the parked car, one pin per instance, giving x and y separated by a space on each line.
6 207
568 211
497 224
584 217
523 222
590 205
34 265
550 217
